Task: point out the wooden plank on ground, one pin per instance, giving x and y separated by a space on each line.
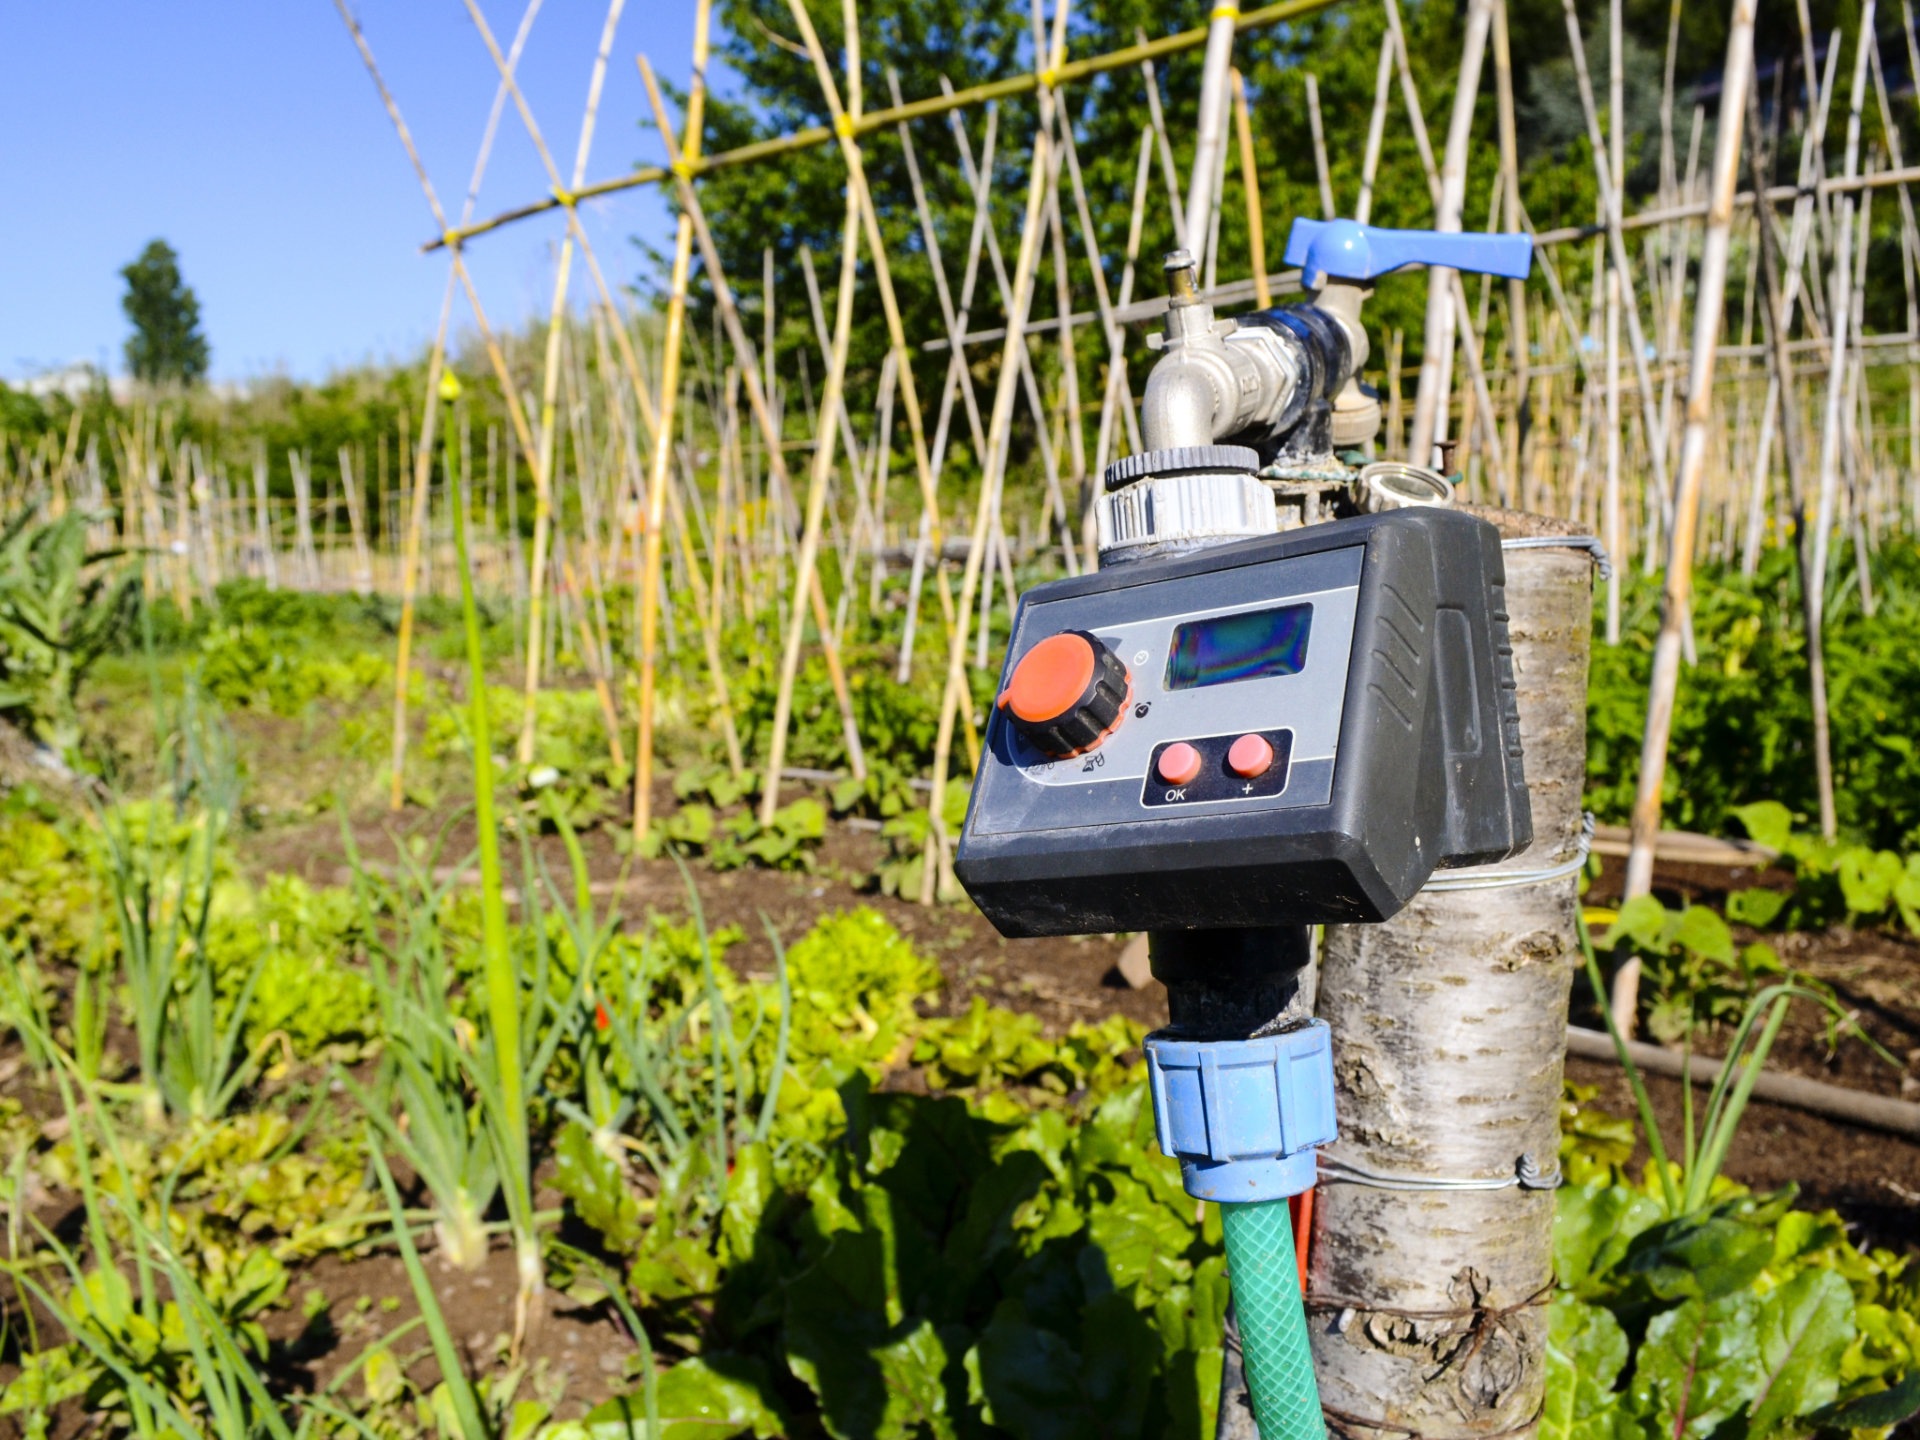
1684 847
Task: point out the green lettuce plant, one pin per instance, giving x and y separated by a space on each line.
62 607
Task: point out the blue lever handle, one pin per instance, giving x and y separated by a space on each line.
1347 250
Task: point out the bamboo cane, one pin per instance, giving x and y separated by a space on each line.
763 416
1629 303
1436 360
1615 524
263 537
1854 453
999 429
1461 318
576 233
543 468
979 180
1069 409
1376 122
1119 394
817 481
705 602
1517 359
591 653
1209 272
458 269
658 476
1801 231
1708 302
876 246
1066 73
1250 183
356 521
410 557
1168 173
1839 315
959 378
1318 134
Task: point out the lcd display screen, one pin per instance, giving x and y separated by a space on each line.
1246 646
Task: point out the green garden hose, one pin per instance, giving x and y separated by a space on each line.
1273 1320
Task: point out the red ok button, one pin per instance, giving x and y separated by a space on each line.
1179 764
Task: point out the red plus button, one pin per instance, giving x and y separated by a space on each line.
1179 764
1250 756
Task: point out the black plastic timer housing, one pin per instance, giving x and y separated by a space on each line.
1369 655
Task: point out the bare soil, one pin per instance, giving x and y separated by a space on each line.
1872 1178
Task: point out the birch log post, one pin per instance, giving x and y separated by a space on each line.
1427 1308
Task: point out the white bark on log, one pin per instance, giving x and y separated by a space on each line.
1427 1308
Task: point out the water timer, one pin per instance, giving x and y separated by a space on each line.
1296 729
1239 728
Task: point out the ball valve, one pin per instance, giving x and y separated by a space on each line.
1232 396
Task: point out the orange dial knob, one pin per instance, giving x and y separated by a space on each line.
1066 693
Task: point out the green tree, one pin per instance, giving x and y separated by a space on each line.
166 343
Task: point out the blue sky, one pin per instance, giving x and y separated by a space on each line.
249 136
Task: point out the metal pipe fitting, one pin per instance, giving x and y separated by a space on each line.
1215 378
1266 384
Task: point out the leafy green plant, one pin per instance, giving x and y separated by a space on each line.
474 1409
716 784
786 842
49 896
503 1064
919 1264
1688 1306
942 1271
246 1182
1743 725
990 1050
180 1361
440 1067
61 609
1744 1316
161 866
1695 976
1594 1145
909 837
1832 883
245 665
1688 1183
571 758
426 1079
309 997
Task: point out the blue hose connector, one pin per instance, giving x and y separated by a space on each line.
1243 1116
